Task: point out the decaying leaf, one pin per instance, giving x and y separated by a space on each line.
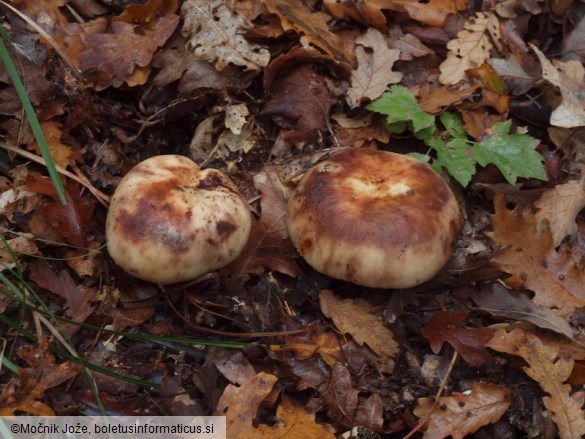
216 35
569 113
42 374
300 104
355 319
313 26
468 342
533 262
501 302
551 370
471 49
560 207
268 246
11 249
341 397
462 414
374 71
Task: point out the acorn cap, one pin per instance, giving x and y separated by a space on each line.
169 221
374 218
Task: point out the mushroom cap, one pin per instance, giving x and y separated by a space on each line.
169 221
374 218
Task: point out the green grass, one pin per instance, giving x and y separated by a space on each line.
30 115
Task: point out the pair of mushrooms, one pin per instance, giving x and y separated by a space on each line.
374 218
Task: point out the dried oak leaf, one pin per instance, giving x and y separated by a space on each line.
560 207
42 374
216 35
551 369
374 71
63 155
268 246
532 261
78 302
10 250
499 301
462 414
356 319
569 113
469 343
325 344
313 26
300 104
470 49
433 12
340 397
112 58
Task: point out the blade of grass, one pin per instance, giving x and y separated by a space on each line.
31 116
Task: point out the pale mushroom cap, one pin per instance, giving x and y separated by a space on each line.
374 218
169 221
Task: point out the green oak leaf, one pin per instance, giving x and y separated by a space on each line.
513 154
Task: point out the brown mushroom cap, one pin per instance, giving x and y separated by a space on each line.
374 218
169 221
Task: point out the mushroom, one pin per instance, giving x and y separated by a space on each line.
170 221
374 218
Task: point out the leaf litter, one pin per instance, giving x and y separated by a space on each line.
490 95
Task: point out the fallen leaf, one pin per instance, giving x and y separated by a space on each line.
551 371
470 49
533 262
445 96
355 319
325 344
268 245
501 302
560 207
300 104
462 414
369 413
78 303
11 249
374 71
340 397
468 342
295 15
112 58
63 155
217 35
41 374
569 113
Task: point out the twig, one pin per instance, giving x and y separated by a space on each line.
437 396
101 197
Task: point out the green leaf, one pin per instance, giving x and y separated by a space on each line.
453 123
456 158
513 154
399 104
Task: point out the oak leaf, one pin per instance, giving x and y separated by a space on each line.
341 397
216 35
532 261
374 71
433 12
470 49
113 57
551 369
461 414
353 318
560 207
313 26
468 342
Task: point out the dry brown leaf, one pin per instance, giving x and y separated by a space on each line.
560 207
533 262
216 35
341 397
42 374
551 370
63 155
295 15
355 319
469 50
461 414
374 71
11 249
240 404
570 112
113 57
